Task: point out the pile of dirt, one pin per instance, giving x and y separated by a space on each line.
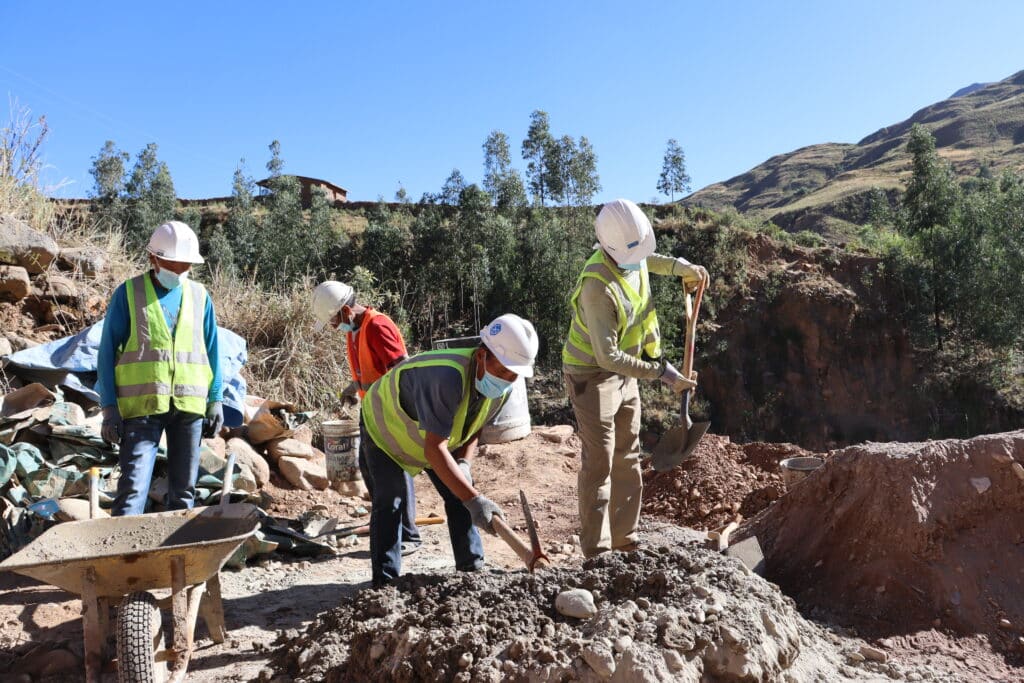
899 538
674 611
722 482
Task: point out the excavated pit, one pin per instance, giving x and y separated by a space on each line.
672 611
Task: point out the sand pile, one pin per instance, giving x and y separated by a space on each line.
722 482
895 538
674 612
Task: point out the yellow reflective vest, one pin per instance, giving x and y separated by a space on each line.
638 331
155 369
400 436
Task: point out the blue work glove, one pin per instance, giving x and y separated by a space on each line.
113 426
214 419
483 510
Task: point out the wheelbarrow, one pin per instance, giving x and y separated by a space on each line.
118 560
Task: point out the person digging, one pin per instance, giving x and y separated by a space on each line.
425 414
613 341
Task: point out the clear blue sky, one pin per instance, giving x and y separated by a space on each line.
368 95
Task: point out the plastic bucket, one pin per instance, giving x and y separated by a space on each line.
794 470
513 422
341 446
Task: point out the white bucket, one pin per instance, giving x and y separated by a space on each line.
513 422
341 446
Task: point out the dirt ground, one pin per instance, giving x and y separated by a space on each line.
275 599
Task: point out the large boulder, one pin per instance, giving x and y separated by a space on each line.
14 283
89 261
22 246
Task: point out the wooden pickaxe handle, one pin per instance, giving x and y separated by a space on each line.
522 549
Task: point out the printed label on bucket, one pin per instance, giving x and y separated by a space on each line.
342 457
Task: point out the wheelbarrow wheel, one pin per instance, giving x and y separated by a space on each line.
139 637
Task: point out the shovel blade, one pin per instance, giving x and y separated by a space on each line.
677 445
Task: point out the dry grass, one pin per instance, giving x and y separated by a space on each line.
288 361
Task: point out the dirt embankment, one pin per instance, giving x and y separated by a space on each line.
900 538
815 353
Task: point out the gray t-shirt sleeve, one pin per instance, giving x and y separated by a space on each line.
431 395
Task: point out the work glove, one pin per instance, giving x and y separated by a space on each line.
350 395
483 510
112 427
691 274
214 419
466 468
675 381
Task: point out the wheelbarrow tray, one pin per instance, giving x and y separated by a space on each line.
134 553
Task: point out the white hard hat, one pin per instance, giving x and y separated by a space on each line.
513 341
624 231
328 298
175 241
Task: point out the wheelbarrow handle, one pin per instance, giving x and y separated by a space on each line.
229 472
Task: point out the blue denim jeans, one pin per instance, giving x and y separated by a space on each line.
410 532
390 498
138 455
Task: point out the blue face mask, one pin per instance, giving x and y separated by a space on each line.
345 327
492 387
631 266
169 280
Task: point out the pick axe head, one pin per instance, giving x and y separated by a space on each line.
531 527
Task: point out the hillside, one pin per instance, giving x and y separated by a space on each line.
826 187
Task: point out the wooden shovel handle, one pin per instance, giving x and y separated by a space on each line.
692 311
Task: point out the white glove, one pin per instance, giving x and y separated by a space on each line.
483 510
691 274
675 381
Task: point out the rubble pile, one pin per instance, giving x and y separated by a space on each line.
897 538
44 289
669 612
721 483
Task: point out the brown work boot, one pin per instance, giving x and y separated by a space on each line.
628 548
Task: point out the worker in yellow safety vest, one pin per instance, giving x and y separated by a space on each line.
614 340
426 413
158 372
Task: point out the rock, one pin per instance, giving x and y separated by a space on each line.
5 347
19 343
1005 623
559 434
355 488
304 434
1018 469
303 474
600 659
59 288
577 603
290 448
981 484
466 660
76 509
246 455
89 261
874 654
22 246
623 643
14 283
209 461
855 657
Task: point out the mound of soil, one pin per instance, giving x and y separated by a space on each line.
722 482
674 612
897 538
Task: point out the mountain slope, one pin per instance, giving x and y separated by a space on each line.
827 186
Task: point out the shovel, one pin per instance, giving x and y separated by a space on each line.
679 442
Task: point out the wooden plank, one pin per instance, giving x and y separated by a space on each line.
91 629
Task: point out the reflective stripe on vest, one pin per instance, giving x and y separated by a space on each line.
360 355
399 435
154 369
637 320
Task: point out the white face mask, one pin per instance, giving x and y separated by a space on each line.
168 279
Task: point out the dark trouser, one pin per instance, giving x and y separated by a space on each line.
410 533
138 455
386 480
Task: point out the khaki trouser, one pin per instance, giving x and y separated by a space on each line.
607 407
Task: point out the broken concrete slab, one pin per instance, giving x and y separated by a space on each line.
748 551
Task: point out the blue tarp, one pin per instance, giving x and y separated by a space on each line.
71 362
